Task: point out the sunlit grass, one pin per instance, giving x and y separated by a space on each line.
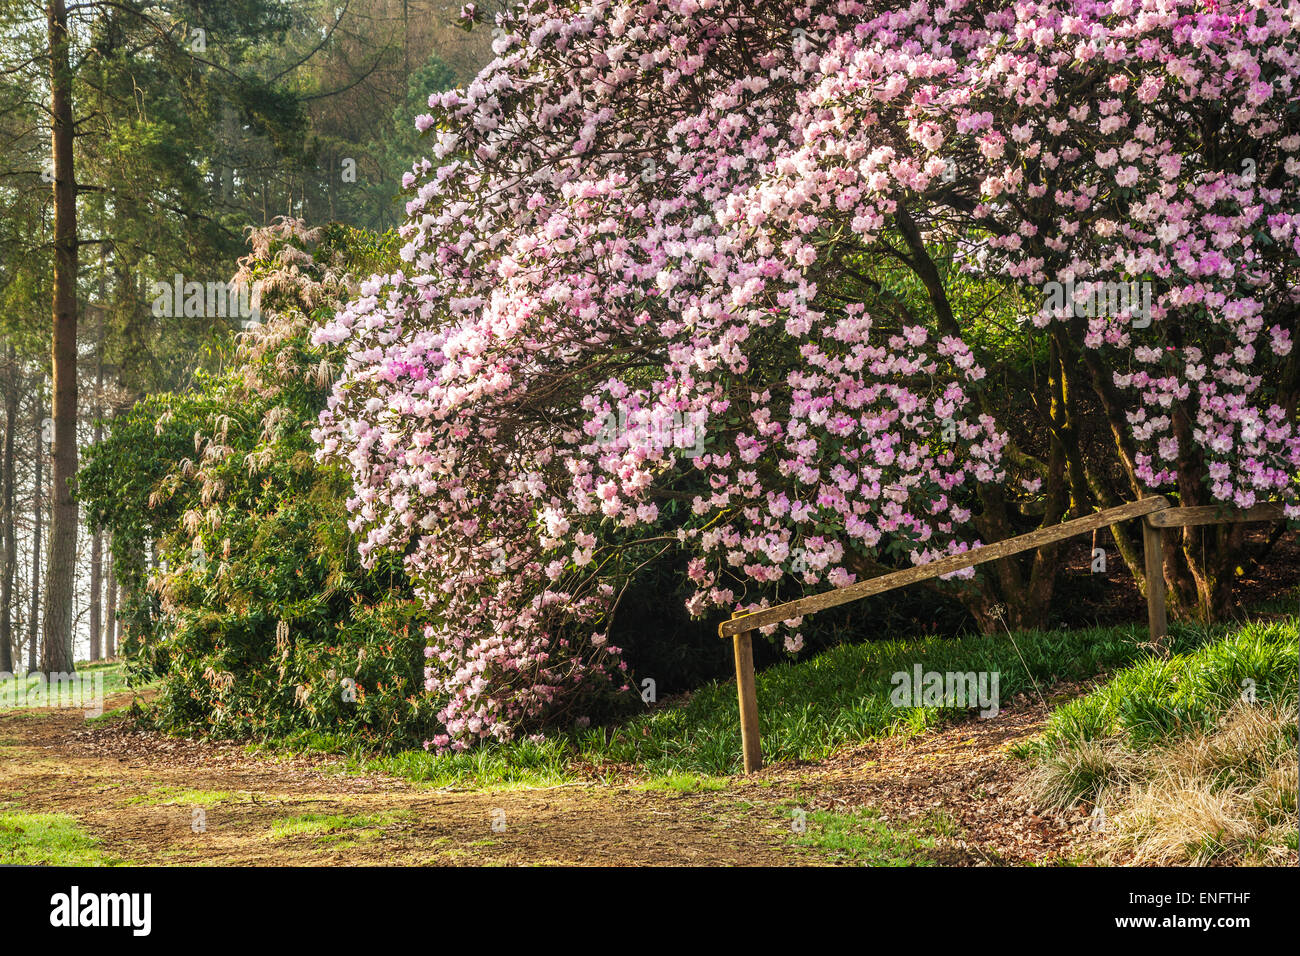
334 828
861 837
183 796
48 839
1191 760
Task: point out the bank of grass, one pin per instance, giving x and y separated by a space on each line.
48 839
1191 759
809 709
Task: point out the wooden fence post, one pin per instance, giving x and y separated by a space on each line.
1153 550
750 740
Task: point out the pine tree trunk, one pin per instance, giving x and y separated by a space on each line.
33 614
8 540
97 542
61 570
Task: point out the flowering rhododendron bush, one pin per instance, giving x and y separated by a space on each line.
715 277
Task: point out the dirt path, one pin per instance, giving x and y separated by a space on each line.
151 799
961 782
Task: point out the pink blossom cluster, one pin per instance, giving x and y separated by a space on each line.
652 211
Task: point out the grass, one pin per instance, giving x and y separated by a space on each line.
176 796
684 783
109 716
809 709
860 836
30 690
1192 759
48 839
1160 698
1223 795
336 828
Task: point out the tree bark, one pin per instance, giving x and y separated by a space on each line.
8 540
96 595
97 542
110 606
33 614
61 570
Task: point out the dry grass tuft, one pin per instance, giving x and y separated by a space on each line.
1226 795
1223 795
1081 773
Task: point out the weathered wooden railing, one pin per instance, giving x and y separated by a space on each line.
1156 512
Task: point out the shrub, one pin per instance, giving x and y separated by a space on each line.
759 284
259 617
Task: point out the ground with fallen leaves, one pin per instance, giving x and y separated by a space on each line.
152 799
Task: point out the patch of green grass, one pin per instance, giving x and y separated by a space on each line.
861 837
518 764
941 823
174 796
333 827
48 839
808 709
1157 699
117 713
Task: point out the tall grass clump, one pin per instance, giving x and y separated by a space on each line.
1192 759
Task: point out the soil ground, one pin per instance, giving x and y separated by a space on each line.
152 799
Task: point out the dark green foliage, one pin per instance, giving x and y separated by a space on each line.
259 619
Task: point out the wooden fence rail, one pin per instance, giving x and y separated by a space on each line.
1156 512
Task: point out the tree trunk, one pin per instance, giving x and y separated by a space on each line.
97 542
8 539
96 594
33 614
1199 562
110 606
61 571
